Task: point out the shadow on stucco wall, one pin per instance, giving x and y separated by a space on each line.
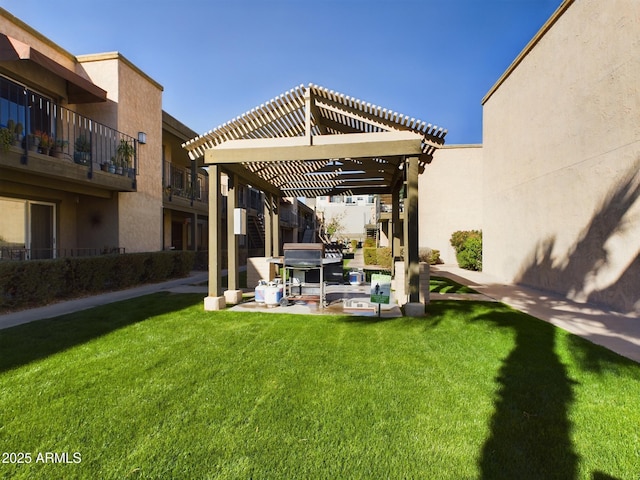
573 274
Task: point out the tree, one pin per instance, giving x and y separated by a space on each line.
332 228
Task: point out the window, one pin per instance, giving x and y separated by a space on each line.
15 101
27 229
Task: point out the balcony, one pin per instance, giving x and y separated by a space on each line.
45 144
181 193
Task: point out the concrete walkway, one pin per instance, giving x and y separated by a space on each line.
70 306
616 331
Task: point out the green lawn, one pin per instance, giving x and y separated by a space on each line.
157 388
446 285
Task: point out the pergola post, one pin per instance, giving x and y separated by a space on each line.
233 295
193 245
395 239
413 307
268 224
276 226
214 301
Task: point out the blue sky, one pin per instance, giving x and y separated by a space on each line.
216 59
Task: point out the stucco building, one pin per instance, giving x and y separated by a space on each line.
89 155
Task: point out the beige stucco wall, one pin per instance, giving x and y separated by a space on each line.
139 108
47 82
561 154
450 190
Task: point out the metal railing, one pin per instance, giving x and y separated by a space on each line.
179 184
90 143
37 124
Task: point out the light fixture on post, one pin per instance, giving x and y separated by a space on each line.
142 138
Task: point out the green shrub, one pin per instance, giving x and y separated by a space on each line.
377 256
468 246
370 256
183 263
460 237
39 282
429 255
369 242
201 261
383 257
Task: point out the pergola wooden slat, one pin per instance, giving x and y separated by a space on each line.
311 141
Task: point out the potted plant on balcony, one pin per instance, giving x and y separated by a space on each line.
45 143
58 148
16 130
19 136
6 139
82 153
126 151
33 140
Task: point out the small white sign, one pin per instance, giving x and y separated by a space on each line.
380 288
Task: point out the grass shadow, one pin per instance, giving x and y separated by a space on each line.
366 319
447 285
595 358
530 429
23 344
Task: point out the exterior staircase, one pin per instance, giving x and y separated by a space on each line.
255 231
309 235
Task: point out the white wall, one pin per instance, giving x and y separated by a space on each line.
450 191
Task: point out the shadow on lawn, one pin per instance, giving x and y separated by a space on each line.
23 344
530 429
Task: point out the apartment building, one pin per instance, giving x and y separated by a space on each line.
89 162
185 197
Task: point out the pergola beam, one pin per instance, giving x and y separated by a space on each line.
379 144
374 119
252 179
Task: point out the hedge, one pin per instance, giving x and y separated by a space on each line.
377 256
39 282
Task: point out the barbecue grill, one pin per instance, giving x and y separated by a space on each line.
303 273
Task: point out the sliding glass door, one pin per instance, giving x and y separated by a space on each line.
41 230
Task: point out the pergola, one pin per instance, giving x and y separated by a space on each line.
311 142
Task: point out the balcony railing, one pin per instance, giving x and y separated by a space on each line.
179 185
37 124
288 217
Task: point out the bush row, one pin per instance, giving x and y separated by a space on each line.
468 247
39 282
380 256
